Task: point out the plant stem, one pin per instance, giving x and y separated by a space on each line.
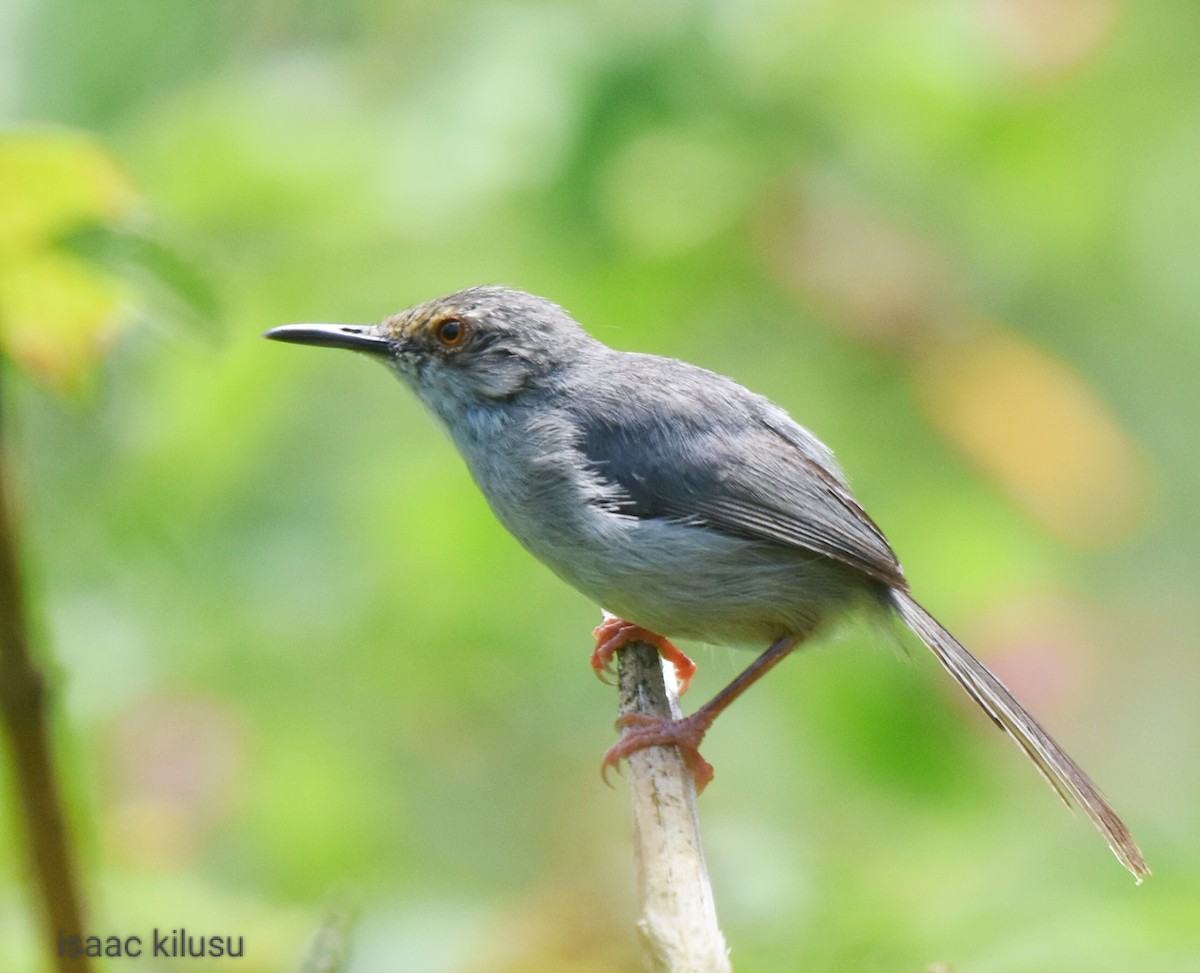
679 920
25 714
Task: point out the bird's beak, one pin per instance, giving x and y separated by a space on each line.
356 337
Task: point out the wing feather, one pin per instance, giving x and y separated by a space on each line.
732 462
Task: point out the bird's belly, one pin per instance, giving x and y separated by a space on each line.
692 582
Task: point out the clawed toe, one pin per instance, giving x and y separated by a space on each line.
643 731
614 633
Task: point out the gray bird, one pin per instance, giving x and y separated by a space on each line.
679 501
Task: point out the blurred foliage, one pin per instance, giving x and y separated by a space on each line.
55 312
305 672
66 213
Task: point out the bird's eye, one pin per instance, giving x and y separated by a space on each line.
450 333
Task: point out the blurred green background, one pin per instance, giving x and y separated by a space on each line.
304 673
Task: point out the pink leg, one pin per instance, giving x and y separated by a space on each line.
686 733
613 634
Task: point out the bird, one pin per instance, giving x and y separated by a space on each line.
683 504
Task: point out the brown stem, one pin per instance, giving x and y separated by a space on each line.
25 713
679 920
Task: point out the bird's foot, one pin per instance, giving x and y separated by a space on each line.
657 731
613 634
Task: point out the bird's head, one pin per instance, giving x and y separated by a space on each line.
477 346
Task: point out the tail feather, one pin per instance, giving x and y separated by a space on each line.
994 698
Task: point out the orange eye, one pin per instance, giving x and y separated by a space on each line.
450 332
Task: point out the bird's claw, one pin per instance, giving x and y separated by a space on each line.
643 731
613 634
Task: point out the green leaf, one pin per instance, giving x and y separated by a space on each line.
154 265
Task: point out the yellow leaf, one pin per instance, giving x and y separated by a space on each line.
58 314
57 317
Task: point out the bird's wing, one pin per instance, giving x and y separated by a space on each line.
732 462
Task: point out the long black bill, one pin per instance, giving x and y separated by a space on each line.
352 336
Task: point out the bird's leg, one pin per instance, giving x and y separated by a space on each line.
686 733
613 634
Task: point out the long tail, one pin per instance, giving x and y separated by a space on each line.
993 697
